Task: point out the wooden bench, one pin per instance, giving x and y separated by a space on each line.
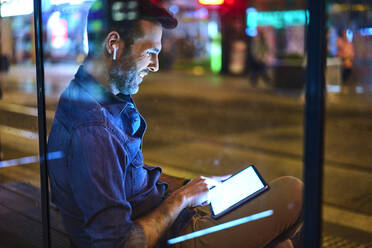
20 218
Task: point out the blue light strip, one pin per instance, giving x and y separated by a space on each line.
221 227
19 161
29 160
366 31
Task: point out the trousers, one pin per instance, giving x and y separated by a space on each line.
285 199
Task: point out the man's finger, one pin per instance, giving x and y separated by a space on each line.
220 178
211 182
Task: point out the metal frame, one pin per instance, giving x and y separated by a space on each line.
314 124
42 122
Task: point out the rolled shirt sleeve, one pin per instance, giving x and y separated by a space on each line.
98 166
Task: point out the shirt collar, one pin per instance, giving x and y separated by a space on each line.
114 104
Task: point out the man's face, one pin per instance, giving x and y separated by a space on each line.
128 71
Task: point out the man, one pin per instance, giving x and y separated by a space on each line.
107 196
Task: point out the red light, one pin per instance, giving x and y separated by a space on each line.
211 2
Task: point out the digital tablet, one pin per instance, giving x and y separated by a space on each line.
236 190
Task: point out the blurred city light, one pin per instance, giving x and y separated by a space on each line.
359 89
124 10
211 2
251 29
277 19
212 29
16 7
72 2
216 56
215 49
366 31
202 13
349 35
333 88
85 42
343 7
58 27
252 32
174 9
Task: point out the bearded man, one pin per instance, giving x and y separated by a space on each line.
107 196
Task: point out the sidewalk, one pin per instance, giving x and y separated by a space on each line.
57 77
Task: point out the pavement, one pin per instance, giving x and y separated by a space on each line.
209 124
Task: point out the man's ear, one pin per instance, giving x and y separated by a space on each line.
113 44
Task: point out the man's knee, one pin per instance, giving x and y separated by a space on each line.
288 184
290 189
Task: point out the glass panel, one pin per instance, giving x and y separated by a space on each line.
64 43
205 123
20 208
229 93
347 194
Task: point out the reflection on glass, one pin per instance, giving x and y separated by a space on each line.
20 207
347 202
221 227
200 122
20 218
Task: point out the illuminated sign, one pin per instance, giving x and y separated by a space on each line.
72 2
349 7
211 2
215 48
58 29
16 7
276 19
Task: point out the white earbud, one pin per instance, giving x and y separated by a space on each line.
114 53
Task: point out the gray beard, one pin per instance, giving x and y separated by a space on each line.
123 75
123 81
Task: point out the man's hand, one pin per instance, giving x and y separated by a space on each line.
220 178
193 194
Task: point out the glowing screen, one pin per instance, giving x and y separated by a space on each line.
235 189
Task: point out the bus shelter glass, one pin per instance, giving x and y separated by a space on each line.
228 93
347 165
20 205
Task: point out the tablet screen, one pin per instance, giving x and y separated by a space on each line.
235 189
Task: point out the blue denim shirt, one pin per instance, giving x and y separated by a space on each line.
101 184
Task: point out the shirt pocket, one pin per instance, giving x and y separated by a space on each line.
131 119
138 160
